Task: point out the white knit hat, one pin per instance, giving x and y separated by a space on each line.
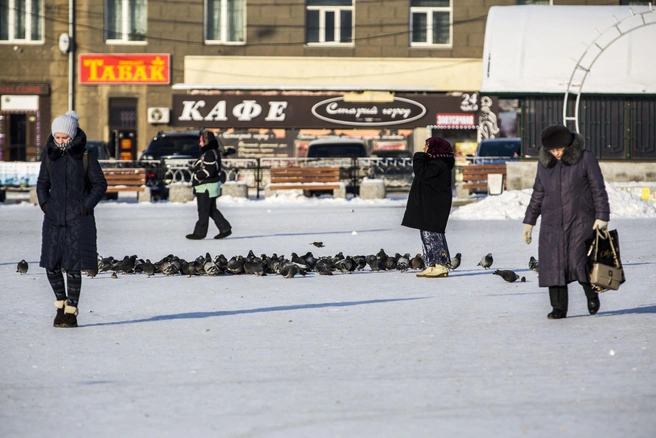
66 124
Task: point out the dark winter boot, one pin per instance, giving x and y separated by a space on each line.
557 314
559 301
593 298
194 237
60 305
223 234
70 317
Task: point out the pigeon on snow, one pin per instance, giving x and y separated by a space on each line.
507 275
455 262
22 267
486 261
533 264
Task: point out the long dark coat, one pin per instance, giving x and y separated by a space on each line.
569 195
429 200
68 238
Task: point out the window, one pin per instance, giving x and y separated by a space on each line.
430 22
125 21
225 21
534 2
329 22
21 20
635 3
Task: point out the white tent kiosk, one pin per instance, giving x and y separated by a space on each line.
604 56
535 49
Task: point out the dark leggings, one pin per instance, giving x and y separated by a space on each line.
560 298
73 280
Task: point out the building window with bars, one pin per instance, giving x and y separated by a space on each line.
21 21
125 21
225 21
430 23
329 22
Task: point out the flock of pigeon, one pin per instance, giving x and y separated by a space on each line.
279 265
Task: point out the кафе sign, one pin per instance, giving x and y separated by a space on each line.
308 110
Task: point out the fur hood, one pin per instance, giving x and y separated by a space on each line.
75 150
572 154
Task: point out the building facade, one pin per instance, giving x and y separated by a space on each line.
389 71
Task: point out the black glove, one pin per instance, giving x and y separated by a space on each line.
43 207
86 210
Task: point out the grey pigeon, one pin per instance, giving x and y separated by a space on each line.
455 262
403 262
236 265
288 270
318 244
486 261
375 263
22 267
148 268
91 273
507 275
417 262
533 264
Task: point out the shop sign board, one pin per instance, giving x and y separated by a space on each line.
11 88
151 68
310 110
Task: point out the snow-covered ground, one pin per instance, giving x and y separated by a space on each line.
353 355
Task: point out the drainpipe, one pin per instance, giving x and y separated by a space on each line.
71 55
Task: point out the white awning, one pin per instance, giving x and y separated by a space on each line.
535 49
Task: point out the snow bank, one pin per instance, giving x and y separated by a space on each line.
512 204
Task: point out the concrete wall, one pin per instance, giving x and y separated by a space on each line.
521 174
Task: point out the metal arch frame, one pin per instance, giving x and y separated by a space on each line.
580 68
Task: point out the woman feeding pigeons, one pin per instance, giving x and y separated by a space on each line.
429 203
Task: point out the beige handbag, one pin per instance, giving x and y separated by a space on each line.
604 276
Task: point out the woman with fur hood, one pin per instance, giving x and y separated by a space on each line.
206 181
570 195
69 186
429 204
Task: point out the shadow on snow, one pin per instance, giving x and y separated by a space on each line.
194 315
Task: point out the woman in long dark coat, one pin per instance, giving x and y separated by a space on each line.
68 195
429 203
570 195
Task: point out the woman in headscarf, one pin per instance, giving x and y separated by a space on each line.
429 203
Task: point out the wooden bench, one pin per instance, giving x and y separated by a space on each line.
306 179
125 180
475 176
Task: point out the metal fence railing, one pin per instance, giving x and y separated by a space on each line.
397 173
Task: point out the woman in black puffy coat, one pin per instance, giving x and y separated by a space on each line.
206 181
570 195
68 194
429 203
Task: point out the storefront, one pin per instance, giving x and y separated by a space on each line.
123 81
23 108
278 124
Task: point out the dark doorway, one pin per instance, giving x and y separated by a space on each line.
123 127
18 137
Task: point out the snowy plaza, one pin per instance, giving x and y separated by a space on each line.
367 354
